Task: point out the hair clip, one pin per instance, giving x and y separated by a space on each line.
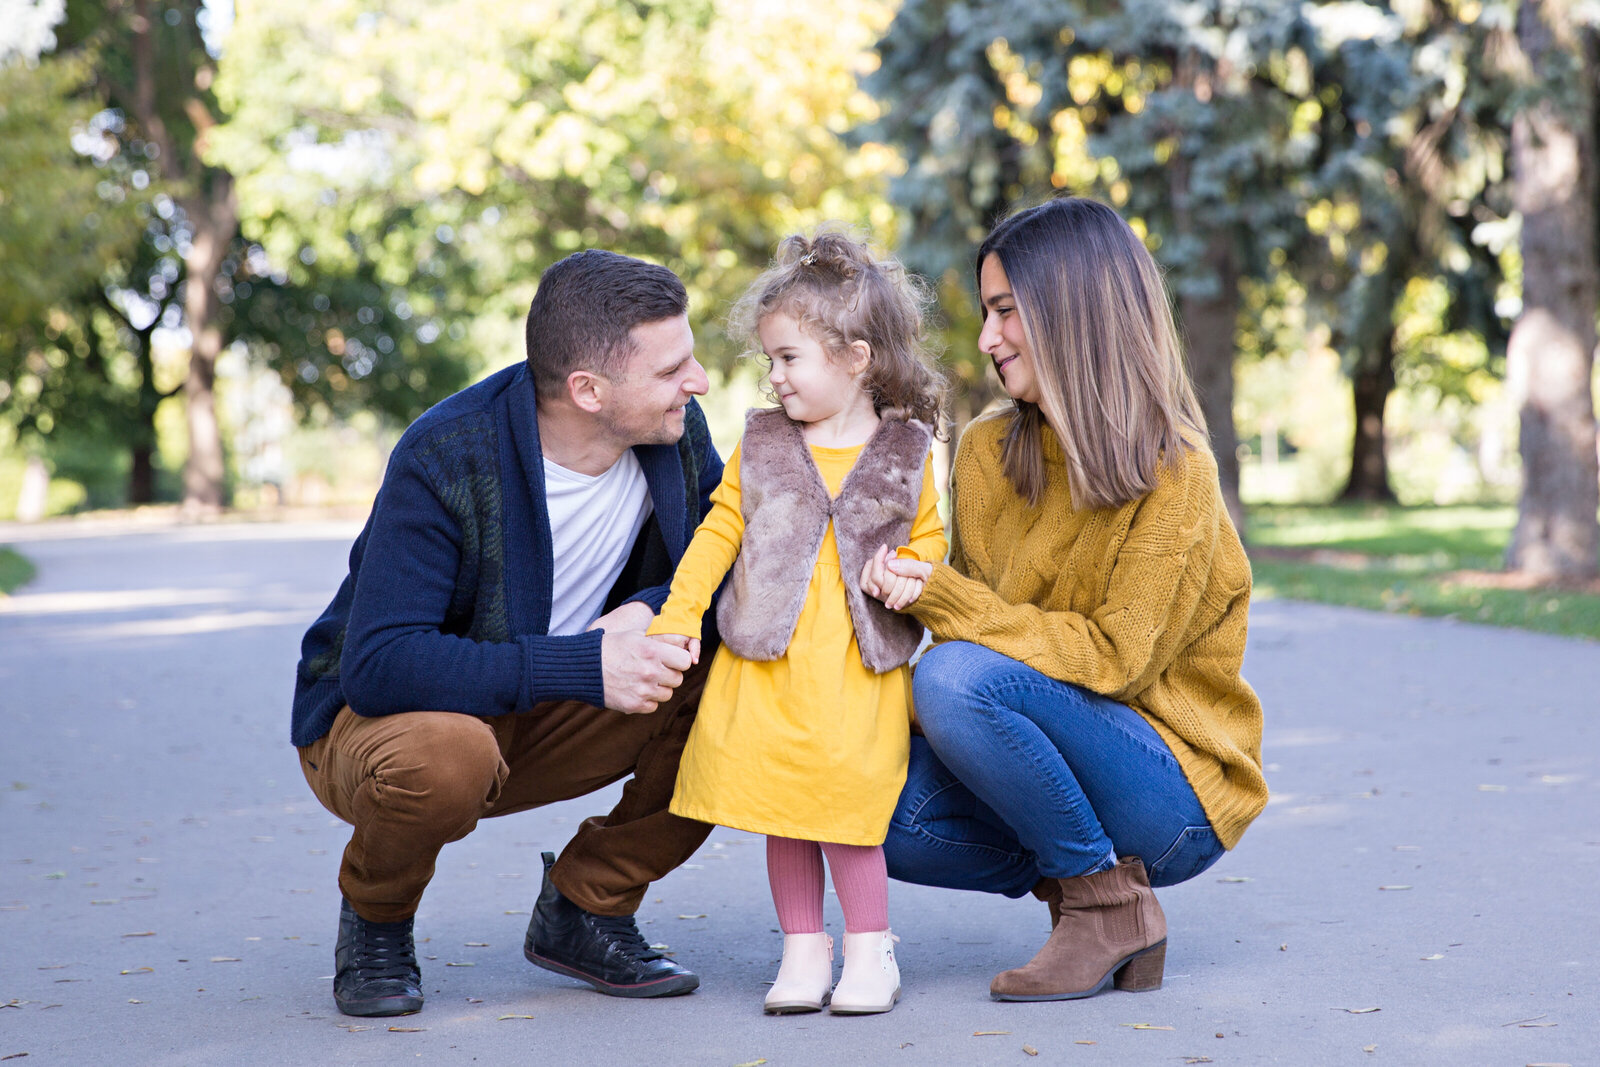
809 259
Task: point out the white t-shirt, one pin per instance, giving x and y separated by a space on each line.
593 524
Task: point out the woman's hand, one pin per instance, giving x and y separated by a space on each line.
690 645
896 582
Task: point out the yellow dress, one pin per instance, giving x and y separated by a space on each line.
812 745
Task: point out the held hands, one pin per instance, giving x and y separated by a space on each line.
690 645
639 672
896 582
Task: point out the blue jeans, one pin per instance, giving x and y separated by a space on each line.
1021 777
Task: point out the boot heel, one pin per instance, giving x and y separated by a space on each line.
1143 973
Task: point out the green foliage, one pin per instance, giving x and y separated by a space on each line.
15 571
452 151
1414 560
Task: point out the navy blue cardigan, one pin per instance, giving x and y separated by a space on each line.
447 603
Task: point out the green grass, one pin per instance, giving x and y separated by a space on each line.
1409 560
14 570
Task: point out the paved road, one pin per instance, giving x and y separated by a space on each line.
1420 890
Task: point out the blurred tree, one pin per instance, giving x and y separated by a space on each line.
1409 158
1181 114
154 71
1551 354
455 150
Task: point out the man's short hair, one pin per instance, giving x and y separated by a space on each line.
585 310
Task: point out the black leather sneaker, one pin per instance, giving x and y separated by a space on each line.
606 951
375 967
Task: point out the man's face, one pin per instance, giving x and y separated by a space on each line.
645 401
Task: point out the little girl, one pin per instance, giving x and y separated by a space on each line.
803 729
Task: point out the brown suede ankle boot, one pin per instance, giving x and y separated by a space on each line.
1111 929
1049 891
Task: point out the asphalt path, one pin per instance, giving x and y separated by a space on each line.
1421 888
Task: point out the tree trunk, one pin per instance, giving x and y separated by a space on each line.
1208 325
1550 355
1373 381
213 214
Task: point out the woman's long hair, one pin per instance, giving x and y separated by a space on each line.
1113 384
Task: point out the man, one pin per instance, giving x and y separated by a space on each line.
486 653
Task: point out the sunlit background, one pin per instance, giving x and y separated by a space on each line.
240 250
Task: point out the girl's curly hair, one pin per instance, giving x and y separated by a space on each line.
840 292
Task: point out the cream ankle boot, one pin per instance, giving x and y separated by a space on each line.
871 979
804 977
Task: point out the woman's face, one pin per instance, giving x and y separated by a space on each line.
1002 339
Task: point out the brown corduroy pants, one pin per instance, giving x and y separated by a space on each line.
413 782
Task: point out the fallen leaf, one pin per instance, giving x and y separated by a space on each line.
353 1028
1369 1048
1197 1059
142 933
505 1017
1030 1050
140 970
1393 888
477 944
702 915
989 1033
1083 1042
1435 956
751 1063
407 1029
226 959
1357 1011
1145 1026
1283 948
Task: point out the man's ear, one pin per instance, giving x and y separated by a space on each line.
860 356
587 390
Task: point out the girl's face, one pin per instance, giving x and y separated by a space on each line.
811 385
1002 339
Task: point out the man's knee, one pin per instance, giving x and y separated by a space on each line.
443 768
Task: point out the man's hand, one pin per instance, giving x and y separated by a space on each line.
896 582
689 644
632 617
640 672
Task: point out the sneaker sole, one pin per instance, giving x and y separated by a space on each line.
386 1006
671 986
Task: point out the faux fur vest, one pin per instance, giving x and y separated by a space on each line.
786 509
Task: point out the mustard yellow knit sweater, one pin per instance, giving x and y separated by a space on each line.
1146 603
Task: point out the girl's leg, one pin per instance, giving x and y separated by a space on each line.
870 982
794 870
1076 777
862 882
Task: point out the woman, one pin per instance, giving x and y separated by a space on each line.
1087 731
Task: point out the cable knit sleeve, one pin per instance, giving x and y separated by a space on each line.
1156 583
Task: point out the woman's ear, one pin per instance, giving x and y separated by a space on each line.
860 356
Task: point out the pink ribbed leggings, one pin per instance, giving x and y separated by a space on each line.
794 868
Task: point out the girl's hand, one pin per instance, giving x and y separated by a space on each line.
896 582
690 645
